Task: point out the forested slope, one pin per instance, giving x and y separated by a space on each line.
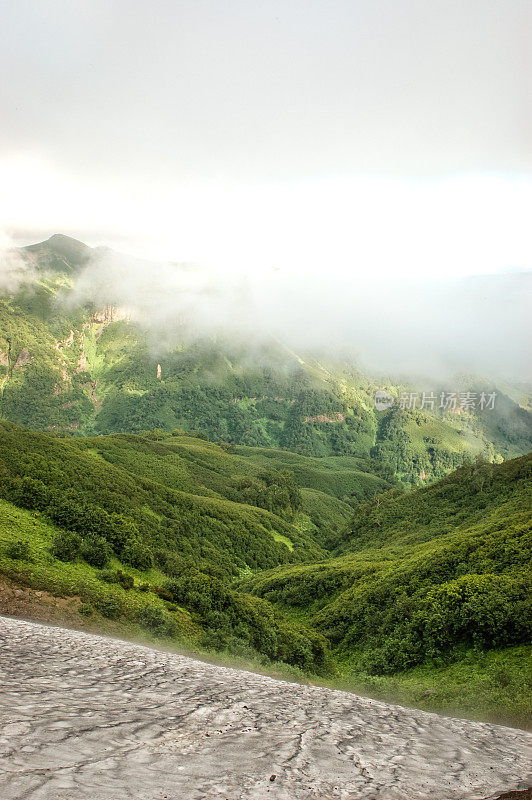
77 366
426 576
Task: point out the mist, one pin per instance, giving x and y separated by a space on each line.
15 271
402 327
330 173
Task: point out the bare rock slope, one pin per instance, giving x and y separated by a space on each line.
88 717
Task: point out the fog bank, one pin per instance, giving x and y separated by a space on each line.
478 324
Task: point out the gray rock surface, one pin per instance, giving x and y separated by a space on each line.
88 717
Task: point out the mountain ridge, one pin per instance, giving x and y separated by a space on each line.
88 370
415 595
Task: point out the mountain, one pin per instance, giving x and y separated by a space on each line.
227 493
77 366
415 595
59 253
436 580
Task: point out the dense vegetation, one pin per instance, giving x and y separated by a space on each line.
81 491
83 369
149 528
258 503
191 511
427 575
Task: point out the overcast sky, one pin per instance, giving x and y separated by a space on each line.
382 135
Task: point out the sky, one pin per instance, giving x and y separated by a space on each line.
355 138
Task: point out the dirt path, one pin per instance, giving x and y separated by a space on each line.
85 717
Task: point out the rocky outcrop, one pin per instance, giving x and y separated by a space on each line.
24 358
337 417
110 314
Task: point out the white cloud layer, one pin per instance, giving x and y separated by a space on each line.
355 227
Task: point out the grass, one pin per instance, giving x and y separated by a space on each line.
76 579
493 686
284 539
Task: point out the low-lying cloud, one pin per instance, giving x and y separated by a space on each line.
401 327
15 271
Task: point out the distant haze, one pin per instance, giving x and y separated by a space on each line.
338 169
349 135
403 327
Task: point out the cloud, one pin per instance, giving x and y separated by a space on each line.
15 271
409 327
352 226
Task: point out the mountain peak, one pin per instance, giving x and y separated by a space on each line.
59 238
60 251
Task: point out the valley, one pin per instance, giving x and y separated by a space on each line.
265 401
409 596
252 506
77 361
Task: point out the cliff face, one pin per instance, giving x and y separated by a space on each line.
111 313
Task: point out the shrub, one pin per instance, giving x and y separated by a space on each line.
67 546
18 549
65 513
214 640
108 575
164 593
31 493
117 576
274 490
241 648
137 555
95 551
154 619
85 609
126 581
228 613
121 531
109 607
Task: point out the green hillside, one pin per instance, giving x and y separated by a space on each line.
465 535
249 499
213 617
80 368
82 515
182 515
74 479
191 540
430 578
